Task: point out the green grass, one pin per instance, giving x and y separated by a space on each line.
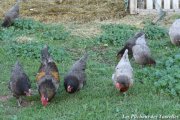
98 100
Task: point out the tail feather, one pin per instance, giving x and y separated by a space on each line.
17 67
141 40
139 34
84 57
45 55
129 44
16 6
17 63
125 55
133 39
81 63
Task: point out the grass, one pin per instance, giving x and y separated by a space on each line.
98 100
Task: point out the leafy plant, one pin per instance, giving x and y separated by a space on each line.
8 34
168 79
54 32
28 24
35 29
155 32
116 34
33 50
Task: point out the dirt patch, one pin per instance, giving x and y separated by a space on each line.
87 30
93 29
26 103
5 98
135 20
100 48
68 10
23 39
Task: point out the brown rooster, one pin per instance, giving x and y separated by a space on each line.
11 15
76 77
19 83
129 44
47 77
123 75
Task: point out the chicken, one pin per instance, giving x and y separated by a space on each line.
129 44
76 77
47 77
11 15
141 40
123 75
174 32
19 83
141 52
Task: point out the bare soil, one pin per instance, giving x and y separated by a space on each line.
5 97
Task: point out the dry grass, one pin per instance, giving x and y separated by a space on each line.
68 10
86 30
23 39
71 12
92 29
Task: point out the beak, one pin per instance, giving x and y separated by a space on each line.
69 89
28 93
118 86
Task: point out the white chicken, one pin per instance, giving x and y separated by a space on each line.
123 75
174 32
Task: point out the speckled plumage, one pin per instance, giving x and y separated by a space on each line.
76 75
129 44
19 82
141 52
123 72
174 32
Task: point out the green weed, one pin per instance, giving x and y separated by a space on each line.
168 78
116 34
155 32
33 29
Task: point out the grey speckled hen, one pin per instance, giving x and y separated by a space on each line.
19 83
174 32
129 44
76 77
123 76
11 15
142 53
